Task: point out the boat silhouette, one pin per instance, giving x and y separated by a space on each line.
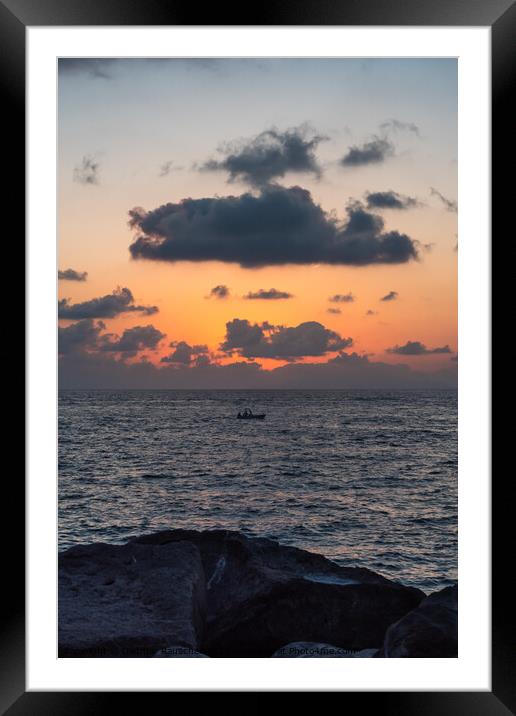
248 414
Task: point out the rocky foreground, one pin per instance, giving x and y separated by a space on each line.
184 593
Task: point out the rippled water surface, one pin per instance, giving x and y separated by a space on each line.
366 478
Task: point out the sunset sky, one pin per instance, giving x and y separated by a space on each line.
331 181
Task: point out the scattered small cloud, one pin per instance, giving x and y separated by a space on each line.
416 348
390 200
87 172
109 306
269 156
219 291
448 204
370 312
335 311
376 151
342 298
168 167
72 275
271 294
391 296
395 125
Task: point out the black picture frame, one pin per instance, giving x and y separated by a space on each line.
500 15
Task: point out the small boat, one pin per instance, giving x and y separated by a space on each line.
249 415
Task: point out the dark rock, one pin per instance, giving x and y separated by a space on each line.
262 595
130 600
430 630
312 650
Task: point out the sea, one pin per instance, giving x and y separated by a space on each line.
365 477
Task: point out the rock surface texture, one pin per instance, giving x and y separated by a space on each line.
130 600
222 594
430 630
262 595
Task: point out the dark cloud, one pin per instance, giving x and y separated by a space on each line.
280 342
72 275
131 341
373 152
96 68
87 172
269 156
449 204
120 301
416 348
278 226
90 359
334 311
86 336
350 370
105 370
220 291
396 125
391 296
184 354
390 200
371 313
271 294
181 354
106 68
79 336
342 298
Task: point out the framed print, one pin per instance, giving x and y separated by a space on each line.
258 364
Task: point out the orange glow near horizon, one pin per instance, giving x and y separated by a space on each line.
424 309
94 235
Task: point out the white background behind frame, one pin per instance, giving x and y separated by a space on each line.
471 670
